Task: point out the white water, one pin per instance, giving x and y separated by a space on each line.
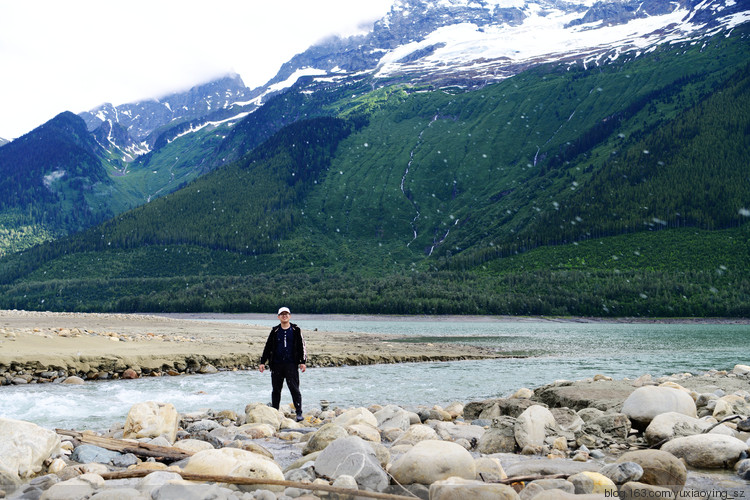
556 351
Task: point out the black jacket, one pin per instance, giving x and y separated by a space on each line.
300 350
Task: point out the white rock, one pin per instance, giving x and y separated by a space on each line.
56 466
393 416
415 434
455 409
150 420
365 431
489 469
741 369
672 425
523 393
345 481
352 456
707 450
356 416
449 431
646 402
235 462
731 404
458 488
158 478
23 449
258 413
255 430
193 445
82 486
532 426
429 461
323 437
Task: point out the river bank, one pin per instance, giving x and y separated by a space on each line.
37 347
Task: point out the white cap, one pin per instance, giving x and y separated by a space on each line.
283 309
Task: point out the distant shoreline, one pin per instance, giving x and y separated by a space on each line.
454 317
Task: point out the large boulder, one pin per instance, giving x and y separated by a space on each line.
415 434
500 438
258 413
83 486
324 436
234 462
647 402
601 394
449 431
659 468
352 456
707 450
731 404
365 431
429 461
251 431
670 425
492 408
533 425
455 487
23 449
356 416
393 416
609 424
568 421
150 420
193 445
87 453
601 483
489 469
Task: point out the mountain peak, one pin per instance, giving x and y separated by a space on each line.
473 42
142 118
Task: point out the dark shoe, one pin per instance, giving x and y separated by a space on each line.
300 418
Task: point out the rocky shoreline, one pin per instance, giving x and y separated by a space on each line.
683 436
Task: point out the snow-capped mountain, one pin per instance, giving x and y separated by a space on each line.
475 41
443 42
143 122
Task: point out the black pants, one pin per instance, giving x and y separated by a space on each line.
288 372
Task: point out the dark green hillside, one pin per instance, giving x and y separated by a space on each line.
51 181
608 191
305 100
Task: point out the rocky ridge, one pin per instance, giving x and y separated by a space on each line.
511 448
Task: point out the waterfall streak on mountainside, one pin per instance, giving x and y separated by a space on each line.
406 172
556 132
440 242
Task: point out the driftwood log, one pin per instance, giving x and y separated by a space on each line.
145 450
253 481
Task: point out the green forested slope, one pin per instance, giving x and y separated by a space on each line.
613 190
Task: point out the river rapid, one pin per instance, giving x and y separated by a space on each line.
541 351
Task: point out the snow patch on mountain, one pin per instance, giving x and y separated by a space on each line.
544 36
276 87
196 128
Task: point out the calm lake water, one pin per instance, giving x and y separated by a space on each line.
551 350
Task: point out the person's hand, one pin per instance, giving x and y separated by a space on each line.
302 367
261 367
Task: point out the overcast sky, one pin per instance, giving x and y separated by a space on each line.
73 55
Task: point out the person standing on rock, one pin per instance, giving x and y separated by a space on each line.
285 352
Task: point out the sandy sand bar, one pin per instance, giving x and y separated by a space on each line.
88 342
